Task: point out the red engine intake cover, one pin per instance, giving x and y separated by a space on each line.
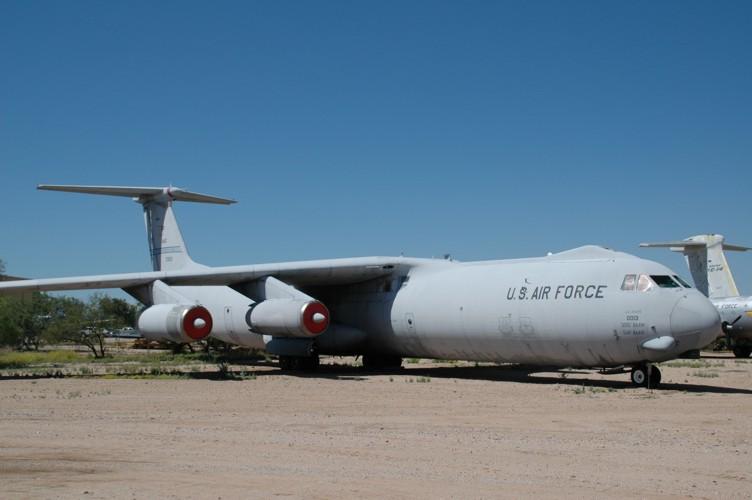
189 323
315 325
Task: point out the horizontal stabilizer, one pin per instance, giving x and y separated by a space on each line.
735 248
674 244
680 245
141 193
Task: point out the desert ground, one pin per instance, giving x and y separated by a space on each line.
431 430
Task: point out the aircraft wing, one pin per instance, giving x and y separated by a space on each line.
316 272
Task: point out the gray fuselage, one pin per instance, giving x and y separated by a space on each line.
566 309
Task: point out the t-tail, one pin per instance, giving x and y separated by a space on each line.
707 263
166 246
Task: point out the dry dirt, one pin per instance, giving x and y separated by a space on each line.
432 430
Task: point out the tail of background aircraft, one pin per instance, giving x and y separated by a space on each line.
707 263
167 248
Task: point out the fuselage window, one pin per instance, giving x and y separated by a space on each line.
629 282
664 281
644 283
682 282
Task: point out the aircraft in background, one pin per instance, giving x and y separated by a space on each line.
712 276
587 307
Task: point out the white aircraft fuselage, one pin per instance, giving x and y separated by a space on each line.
565 309
586 307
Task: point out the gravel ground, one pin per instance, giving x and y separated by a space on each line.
438 430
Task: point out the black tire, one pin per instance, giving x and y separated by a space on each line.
371 362
742 351
393 362
655 378
376 362
693 354
309 364
299 363
285 363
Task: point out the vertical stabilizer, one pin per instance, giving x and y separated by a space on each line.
707 263
713 261
697 262
166 246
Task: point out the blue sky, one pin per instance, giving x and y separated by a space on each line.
483 129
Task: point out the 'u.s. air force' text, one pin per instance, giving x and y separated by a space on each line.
561 292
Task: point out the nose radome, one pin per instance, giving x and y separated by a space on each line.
695 322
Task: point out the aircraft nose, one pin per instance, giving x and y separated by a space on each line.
695 322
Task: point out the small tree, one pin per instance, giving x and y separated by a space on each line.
11 332
118 312
69 321
102 313
23 320
80 323
35 315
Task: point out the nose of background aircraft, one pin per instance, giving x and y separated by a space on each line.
695 322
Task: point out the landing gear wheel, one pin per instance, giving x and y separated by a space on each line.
299 363
742 351
377 362
308 364
646 376
286 363
639 375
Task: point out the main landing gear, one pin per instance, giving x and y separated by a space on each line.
299 363
742 351
376 362
646 375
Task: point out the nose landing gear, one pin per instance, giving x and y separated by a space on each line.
646 375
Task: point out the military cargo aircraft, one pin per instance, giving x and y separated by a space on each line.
712 276
587 307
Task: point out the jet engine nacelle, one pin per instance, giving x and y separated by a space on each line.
175 322
289 318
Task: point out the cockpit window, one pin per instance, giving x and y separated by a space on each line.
644 283
629 282
664 281
682 282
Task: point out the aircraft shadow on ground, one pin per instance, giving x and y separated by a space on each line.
504 373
